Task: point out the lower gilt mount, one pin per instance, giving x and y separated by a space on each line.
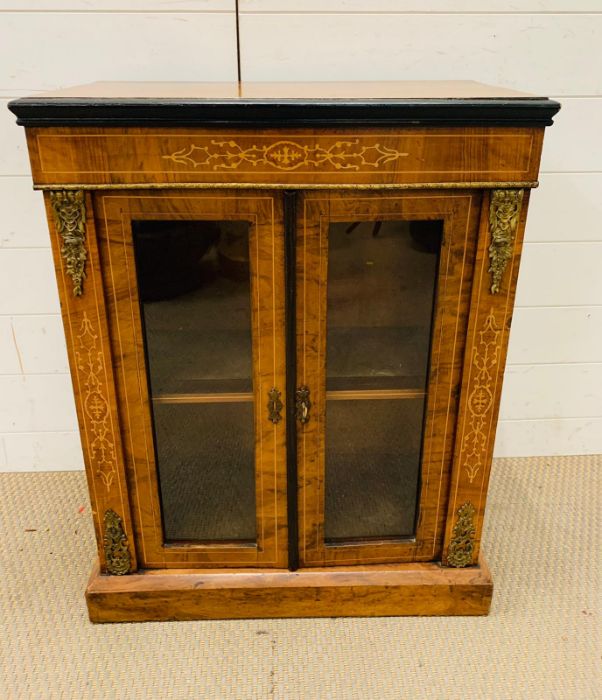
117 554
461 547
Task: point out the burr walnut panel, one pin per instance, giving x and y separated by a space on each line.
347 157
485 357
84 312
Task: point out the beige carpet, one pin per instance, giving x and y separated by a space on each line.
541 641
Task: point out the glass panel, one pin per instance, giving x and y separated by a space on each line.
372 468
205 454
194 287
381 287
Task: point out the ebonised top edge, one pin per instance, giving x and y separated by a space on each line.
283 113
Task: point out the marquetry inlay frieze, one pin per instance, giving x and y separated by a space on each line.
286 155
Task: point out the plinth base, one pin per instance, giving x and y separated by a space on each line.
203 594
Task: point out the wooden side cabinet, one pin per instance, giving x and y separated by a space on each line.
287 311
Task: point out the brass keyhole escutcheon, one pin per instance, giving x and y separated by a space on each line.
274 406
302 404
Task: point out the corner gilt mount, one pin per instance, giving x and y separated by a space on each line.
70 220
504 213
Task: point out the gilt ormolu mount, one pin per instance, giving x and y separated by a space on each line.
287 311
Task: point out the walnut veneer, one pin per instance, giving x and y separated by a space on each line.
293 161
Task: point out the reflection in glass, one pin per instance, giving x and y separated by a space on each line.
372 467
205 454
194 287
381 286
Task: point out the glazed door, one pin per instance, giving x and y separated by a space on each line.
383 283
195 287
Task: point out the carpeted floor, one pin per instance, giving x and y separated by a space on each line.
542 640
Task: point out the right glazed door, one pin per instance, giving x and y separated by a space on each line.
383 287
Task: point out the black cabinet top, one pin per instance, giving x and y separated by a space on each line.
282 105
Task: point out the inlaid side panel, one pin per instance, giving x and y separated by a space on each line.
75 251
381 405
501 233
349 157
200 363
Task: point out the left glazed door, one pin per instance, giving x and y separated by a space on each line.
194 286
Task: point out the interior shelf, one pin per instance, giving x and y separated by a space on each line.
242 397
374 394
203 398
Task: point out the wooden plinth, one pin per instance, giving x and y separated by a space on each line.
361 591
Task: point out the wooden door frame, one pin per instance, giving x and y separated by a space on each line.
114 212
460 212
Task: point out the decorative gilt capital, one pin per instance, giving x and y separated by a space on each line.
461 547
504 213
70 220
117 554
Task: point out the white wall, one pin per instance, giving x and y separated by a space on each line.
552 402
